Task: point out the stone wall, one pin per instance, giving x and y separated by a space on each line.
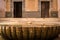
2 8
33 14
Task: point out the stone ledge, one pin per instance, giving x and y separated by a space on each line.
29 21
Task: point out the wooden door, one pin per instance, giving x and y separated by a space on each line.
45 9
17 9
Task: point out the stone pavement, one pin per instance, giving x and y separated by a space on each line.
57 38
1 38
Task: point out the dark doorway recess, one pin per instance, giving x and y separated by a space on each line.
45 9
17 9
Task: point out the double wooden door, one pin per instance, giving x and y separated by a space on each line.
17 9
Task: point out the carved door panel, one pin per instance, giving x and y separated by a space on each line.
44 9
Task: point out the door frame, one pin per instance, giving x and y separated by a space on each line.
44 4
14 9
49 7
12 6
